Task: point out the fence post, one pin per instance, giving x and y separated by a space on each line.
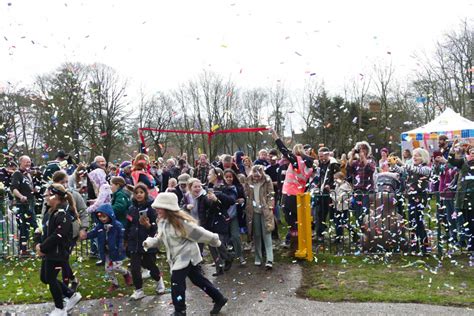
304 218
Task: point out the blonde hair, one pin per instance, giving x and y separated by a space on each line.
191 181
298 150
176 219
424 154
257 169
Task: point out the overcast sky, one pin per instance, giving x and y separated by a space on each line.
160 44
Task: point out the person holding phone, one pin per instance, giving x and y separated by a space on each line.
141 224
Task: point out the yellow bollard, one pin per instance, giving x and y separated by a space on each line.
304 218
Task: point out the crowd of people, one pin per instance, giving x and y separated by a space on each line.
232 203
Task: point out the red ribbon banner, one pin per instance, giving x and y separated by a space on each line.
209 134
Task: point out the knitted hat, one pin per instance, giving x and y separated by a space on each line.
167 201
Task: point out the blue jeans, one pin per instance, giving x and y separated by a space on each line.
451 223
235 237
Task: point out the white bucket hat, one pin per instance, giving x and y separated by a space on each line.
167 201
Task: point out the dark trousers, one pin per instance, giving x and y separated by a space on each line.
220 254
48 275
26 219
416 206
469 229
68 274
178 286
322 211
341 220
146 260
289 207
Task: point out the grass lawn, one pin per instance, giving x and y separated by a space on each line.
20 281
397 279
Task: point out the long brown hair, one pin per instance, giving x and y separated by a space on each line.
176 219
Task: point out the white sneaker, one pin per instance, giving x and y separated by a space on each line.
137 295
73 300
146 274
160 287
58 312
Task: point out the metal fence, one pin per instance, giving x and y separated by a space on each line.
383 222
372 222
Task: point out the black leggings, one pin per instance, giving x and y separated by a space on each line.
49 274
146 260
178 286
68 274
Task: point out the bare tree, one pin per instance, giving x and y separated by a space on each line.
107 94
253 104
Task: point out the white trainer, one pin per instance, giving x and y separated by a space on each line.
160 287
73 300
58 312
137 295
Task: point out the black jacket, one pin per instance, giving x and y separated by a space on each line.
58 236
217 219
135 234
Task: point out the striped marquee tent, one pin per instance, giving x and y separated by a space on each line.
448 123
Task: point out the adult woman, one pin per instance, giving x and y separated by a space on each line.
259 207
54 248
383 162
248 164
180 235
297 175
416 190
234 188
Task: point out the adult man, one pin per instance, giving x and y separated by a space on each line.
328 166
23 191
361 170
202 169
55 165
444 146
227 162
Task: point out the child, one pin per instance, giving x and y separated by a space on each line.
341 198
172 184
109 233
180 234
120 199
141 223
54 249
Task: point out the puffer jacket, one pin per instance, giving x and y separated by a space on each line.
109 236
